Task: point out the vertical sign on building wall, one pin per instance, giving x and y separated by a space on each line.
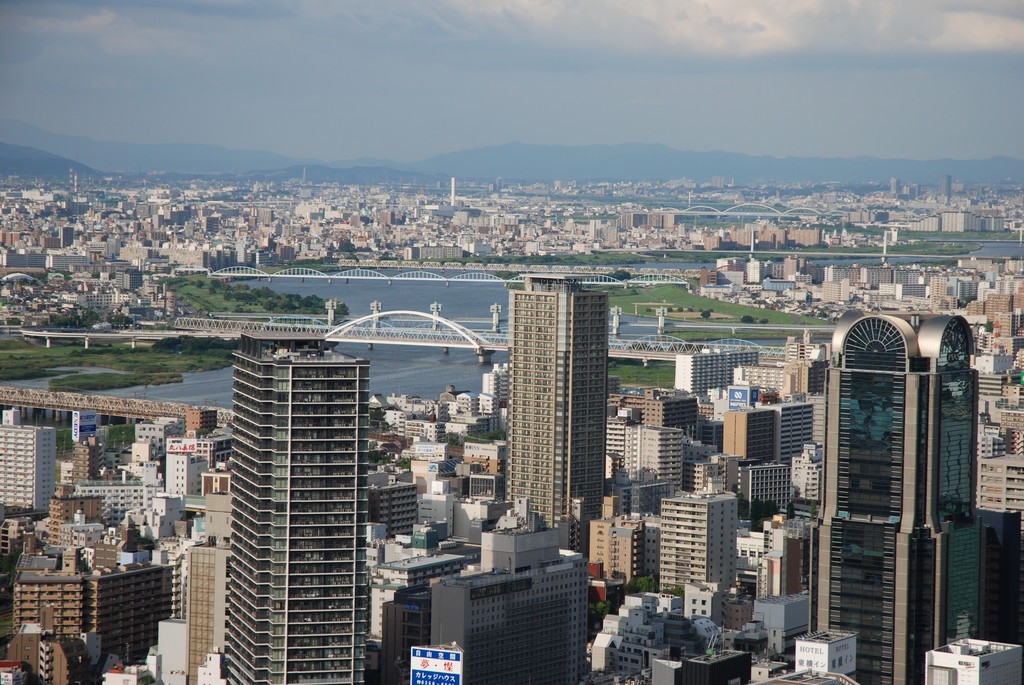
436 665
83 424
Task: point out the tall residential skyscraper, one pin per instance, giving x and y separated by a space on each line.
897 545
558 375
298 587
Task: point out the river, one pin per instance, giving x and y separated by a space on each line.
411 370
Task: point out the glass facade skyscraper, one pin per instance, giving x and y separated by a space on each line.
558 388
897 546
298 587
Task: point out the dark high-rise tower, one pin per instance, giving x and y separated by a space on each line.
898 551
558 388
298 588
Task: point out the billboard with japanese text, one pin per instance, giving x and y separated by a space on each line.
436 665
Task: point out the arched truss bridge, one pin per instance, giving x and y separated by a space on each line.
412 328
362 274
748 209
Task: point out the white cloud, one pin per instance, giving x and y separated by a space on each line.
114 33
745 28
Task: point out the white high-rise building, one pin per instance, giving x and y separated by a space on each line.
648 449
698 539
28 463
185 469
699 372
973 662
805 473
495 382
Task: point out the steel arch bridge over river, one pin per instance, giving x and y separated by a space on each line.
412 328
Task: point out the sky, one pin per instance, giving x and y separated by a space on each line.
408 79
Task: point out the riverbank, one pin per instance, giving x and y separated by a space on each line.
160 363
682 305
210 295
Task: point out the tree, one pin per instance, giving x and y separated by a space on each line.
746 318
620 275
743 507
705 314
595 616
642 584
761 511
119 320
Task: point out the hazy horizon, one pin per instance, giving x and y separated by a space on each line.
337 80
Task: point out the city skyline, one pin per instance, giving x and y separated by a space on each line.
317 79
330 529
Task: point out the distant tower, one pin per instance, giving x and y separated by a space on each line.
946 187
451 199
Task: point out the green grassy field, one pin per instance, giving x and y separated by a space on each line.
150 365
206 295
109 381
644 302
633 374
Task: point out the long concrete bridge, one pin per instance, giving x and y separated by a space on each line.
132 408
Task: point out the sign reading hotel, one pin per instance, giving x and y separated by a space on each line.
822 653
436 665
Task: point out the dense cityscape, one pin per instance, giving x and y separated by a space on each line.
511 343
720 433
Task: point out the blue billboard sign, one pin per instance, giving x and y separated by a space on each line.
743 396
83 424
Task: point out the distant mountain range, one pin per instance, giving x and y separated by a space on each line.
512 161
18 160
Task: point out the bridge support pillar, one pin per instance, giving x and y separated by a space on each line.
647 363
484 356
48 343
86 342
330 281
133 343
444 350
369 346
